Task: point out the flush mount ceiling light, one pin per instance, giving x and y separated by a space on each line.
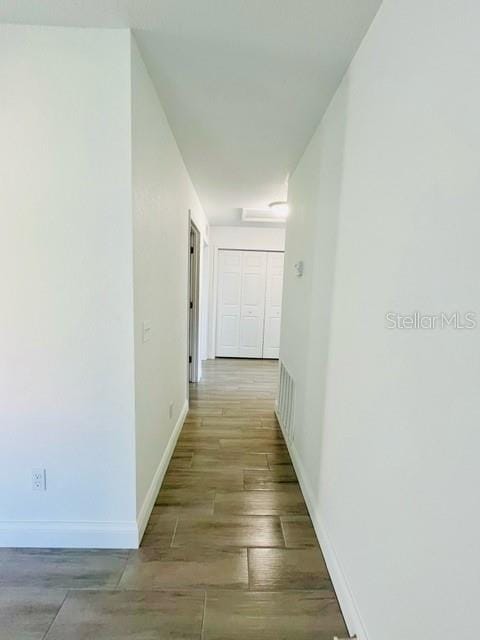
280 208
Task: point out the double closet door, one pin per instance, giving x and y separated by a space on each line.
249 301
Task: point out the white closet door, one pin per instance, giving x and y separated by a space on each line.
229 303
249 302
253 304
273 305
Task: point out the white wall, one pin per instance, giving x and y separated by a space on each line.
240 238
66 365
85 139
385 213
162 197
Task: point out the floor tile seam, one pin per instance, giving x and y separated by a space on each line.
187 590
56 615
127 558
174 531
202 630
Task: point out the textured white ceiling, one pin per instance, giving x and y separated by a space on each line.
244 83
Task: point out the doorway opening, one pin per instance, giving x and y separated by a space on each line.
194 303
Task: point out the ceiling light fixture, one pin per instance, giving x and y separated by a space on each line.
280 208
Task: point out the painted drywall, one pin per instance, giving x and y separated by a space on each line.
387 435
162 197
66 341
95 203
244 238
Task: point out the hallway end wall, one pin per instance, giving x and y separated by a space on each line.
384 212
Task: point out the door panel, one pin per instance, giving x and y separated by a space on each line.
229 302
249 333
273 305
276 283
229 331
253 289
253 260
253 304
231 289
232 259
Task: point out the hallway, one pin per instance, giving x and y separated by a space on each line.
209 207
229 551
231 519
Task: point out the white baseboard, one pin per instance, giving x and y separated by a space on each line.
151 496
350 611
83 535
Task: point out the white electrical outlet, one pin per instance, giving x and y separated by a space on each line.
39 479
170 410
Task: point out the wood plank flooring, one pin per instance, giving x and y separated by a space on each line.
229 552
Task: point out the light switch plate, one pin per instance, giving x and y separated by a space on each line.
146 331
298 266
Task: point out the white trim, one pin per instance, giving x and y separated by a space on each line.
151 496
194 299
348 605
53 534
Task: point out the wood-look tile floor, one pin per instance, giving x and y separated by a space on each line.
229 552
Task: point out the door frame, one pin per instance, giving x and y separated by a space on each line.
193 300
